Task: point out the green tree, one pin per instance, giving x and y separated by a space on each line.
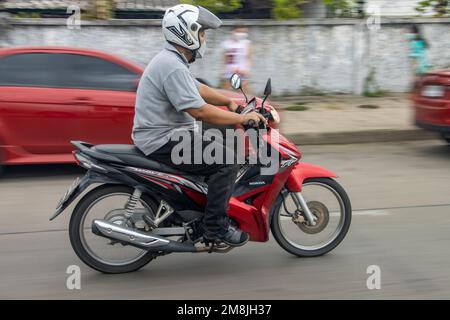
342 8
286 9
439 7
216 6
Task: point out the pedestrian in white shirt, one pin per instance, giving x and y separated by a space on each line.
237 57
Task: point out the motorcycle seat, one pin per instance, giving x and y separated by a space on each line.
132 156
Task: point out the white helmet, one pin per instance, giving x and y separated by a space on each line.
182 23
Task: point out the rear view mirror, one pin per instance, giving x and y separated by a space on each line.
235 81
268 89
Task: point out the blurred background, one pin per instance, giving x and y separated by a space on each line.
363 88
314 46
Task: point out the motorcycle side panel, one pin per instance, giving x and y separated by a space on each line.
247 217
254 219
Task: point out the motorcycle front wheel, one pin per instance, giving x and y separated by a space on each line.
328 203
107 202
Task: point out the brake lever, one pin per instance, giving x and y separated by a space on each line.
267 115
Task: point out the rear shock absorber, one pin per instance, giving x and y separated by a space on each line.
132 204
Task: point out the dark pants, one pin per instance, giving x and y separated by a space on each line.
221 179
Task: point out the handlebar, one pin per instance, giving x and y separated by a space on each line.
251 124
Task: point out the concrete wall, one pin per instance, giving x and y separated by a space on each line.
396 8
387 8
333 55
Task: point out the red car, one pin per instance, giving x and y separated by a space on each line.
51 95
431 97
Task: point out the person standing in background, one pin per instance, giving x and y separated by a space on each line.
417 51
237 57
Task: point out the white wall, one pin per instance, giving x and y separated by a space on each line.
388 8
328 55
395 7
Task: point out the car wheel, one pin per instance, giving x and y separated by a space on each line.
446 137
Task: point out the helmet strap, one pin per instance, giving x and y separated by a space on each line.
194 56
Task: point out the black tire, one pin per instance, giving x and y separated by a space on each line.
278 235
75 238
446 137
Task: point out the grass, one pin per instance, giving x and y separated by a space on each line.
27 15
375 94
297 107
332 107
368 106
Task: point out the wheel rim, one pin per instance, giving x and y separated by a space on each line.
330 222
96 245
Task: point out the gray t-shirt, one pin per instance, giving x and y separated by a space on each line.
166 88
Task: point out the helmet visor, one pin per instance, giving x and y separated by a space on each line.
207 19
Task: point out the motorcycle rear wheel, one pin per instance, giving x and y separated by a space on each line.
76 229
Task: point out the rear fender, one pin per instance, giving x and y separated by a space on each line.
303 171
89 178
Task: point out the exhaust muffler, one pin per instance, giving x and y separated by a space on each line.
139 239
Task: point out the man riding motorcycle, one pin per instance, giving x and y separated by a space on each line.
169 99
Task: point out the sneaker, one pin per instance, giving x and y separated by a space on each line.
232 237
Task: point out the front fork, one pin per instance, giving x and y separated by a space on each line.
301 203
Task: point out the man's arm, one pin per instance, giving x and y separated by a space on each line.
215 98
212 115
183 93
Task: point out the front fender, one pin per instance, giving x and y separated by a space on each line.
304 171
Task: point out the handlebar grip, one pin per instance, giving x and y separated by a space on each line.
251 123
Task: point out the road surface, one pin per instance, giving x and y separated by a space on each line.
401 199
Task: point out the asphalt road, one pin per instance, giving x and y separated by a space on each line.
401 198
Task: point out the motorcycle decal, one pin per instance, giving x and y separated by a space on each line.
288 163
170 178
158 182
289 153
257 183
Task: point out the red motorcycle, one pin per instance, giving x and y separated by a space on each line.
143 209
